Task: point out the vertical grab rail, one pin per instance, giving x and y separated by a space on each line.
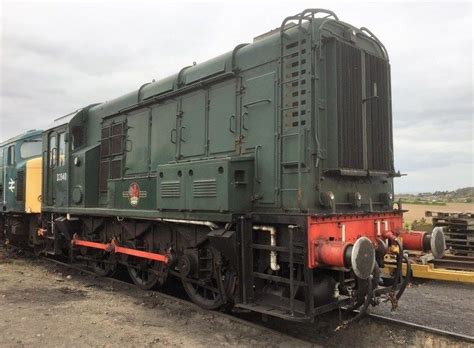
308 16
291 265
256 171
283 28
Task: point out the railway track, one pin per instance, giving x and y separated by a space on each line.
259 324
424 328
296 340
303 334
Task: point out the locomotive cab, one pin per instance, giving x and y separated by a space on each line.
20 185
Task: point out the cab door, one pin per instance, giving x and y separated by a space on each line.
52 156
9 177
57 174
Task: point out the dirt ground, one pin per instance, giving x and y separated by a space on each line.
443 305
44 304
417 211
47 305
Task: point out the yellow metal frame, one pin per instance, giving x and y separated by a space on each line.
428 271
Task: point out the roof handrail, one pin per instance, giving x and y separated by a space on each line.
373 37
302 15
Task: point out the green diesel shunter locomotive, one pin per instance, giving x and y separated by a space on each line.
262 178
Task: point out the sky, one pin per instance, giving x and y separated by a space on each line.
58 56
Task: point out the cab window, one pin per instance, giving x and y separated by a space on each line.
62 149
52 151
77 137
30 149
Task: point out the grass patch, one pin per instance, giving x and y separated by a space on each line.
420 202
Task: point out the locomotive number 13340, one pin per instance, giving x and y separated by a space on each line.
61 177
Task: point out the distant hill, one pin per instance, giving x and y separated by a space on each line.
465 195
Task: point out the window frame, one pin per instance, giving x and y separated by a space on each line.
62 149
11 155
33 141
52 151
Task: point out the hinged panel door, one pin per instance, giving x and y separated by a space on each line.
137 147
192 130
222 118
258 130
163 134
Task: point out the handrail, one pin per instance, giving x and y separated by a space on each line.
139 92
234 55
256 172
309 16
313 11
379 43
303 14
179 83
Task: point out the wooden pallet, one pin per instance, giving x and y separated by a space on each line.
458 229
440 214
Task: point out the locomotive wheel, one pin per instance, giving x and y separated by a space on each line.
205 293
205 290
147 275
104 264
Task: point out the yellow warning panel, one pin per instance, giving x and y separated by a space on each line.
33 185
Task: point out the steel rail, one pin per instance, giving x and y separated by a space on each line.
302 342
374 316
420 327
298 341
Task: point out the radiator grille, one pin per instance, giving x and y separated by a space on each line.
295 74
349 106
20 185
116 169
205 188
111 151
105 146
378 114
103 176
116 139
170 189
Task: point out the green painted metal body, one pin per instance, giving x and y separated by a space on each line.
14 153
270 114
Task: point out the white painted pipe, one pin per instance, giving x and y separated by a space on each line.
273 254
209 224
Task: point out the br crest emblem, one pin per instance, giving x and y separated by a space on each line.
134 194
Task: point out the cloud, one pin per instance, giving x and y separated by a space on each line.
59 56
